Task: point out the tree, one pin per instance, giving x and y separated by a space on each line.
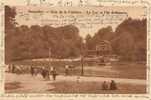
133 31
10 26
10 14
128 40
88 42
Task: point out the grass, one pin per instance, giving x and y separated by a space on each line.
95 87
132 70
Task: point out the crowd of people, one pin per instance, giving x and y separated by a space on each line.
34 71
45 72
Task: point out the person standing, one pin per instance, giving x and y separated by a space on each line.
36 71
66 70
43 72
54 74
13 68
104 85
32 70
51 69
47 74
113 85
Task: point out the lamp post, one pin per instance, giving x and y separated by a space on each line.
82 56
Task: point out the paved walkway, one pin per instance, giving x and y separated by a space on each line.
38 84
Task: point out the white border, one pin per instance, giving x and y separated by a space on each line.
146 3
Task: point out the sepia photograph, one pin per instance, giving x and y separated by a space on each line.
88 50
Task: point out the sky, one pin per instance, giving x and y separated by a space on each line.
87 23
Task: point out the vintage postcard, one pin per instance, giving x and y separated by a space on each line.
86 49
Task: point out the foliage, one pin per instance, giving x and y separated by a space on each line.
128 40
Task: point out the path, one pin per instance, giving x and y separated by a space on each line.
39 85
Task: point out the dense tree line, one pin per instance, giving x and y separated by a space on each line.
23 42
36 41
128 40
